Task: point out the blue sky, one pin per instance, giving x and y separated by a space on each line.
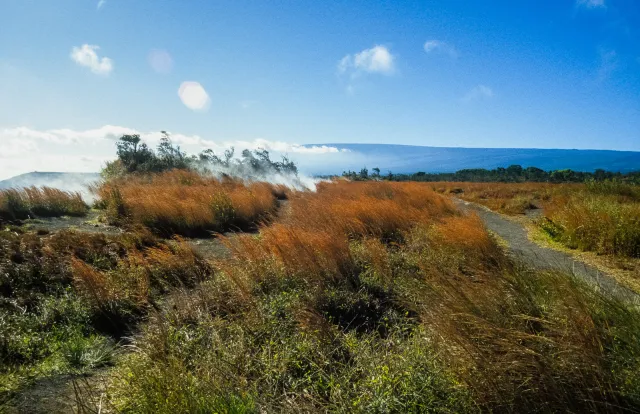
529 73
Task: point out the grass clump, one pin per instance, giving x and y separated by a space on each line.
599 223
19 204
186 203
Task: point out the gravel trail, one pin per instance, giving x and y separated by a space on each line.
544 258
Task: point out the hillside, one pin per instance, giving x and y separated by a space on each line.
61 180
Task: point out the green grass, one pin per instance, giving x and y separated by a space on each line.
53 323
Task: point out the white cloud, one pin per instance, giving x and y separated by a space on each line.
378 59
194 96
86 55
101 3
591 4
26 149
440 47
478 92
15 147
68 136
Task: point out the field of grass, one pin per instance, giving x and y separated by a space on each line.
67 299
184 202
19 204
380 297
359 297
603 217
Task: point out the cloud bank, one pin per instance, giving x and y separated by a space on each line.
66 150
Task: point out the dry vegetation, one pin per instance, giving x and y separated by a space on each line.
19 204
66 298
603 217
184 202
380 297
361 297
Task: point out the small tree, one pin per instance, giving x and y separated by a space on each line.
132 153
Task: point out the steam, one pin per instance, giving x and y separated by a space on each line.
254 166
70 182
237 170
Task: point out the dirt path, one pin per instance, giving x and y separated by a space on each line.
544 258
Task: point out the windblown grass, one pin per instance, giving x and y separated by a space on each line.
67 298
18 204
603 217
343 307
184 202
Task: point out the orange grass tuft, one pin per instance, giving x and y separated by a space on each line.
183 202
16 204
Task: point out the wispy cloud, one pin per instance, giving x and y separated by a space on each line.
114 132
477 93
194 96
87 56
101 3
437 46
591 4
378 60
609 62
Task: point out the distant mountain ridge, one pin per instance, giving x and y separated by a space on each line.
400 159
62 180
411 158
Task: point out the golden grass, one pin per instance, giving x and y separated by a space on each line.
508 198
16 204
603 217
366 297
139 276
183 202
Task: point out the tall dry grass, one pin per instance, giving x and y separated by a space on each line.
343 307
603 217
187 203
508 198
17 204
